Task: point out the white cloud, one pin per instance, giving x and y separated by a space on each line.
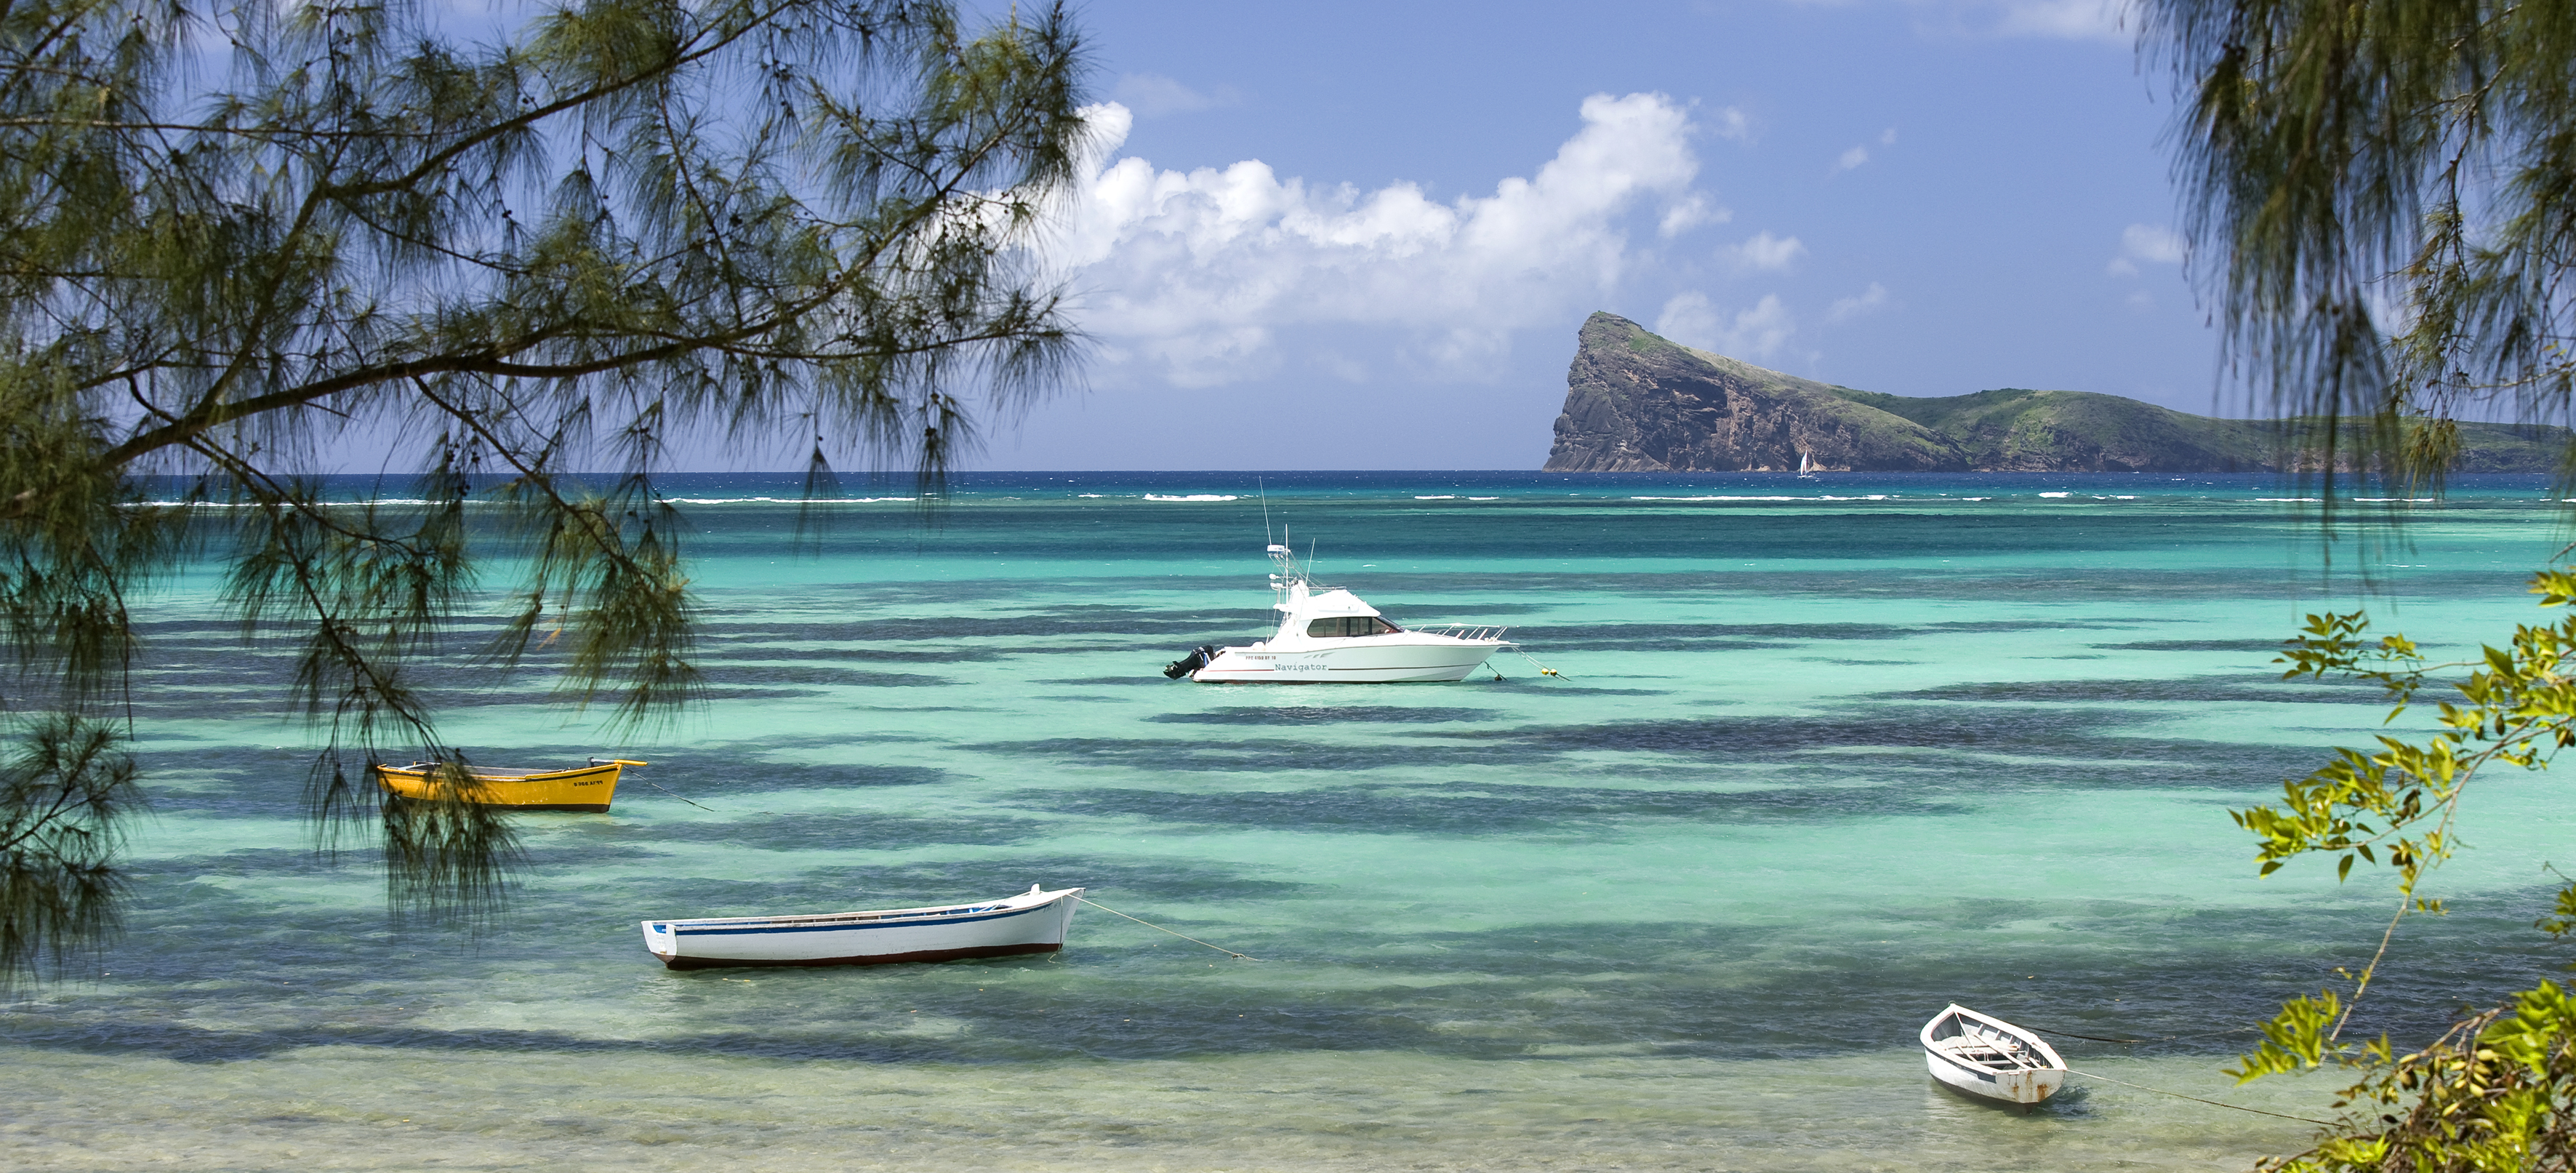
1760 331
1195 272
2150 243
1764 252
1690 320
1756 333
1845 309
1218 354
1859 153
2076 20
1691 212
1151 95
1729 122
1347 369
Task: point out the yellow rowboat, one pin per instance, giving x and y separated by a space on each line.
581 788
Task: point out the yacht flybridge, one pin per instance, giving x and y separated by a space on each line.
1330 636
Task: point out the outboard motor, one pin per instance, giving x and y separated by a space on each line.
1190 663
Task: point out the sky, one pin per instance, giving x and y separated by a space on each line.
1363 235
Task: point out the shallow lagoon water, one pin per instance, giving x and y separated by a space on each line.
1826 755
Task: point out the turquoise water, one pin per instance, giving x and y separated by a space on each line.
1825 756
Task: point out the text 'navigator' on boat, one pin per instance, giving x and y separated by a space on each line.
1329 636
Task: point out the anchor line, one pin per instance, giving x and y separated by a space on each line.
675 794
2068 1034
2197 1100
1160 929
1543 669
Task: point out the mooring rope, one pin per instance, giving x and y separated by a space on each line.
1158 928
675 794
1543 669
2197 1100
2068 1034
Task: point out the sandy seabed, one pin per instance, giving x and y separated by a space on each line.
348 1108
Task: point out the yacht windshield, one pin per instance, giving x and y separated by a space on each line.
1344 626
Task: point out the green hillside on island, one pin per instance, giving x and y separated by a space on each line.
1639 402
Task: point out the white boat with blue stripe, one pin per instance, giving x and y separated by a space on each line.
1031 922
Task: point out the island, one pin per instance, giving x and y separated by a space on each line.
1638 402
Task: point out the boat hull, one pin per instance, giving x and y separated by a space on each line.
584 788
2020 1088
1360 661
1035 922
1985 1057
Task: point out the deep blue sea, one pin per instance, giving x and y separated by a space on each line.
1825 755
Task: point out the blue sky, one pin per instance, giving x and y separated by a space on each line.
1350 235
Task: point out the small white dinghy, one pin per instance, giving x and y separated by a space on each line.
1031 922
1991 1059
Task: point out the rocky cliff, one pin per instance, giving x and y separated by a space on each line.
1635 402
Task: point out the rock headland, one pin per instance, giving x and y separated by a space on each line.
1637 402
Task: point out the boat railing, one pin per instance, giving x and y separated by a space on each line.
1460 630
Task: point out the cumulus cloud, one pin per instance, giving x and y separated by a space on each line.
2149 243
1152 95
1845 309
1691 212
1729 122
1859 153
1195 272
1754 333
1764 252
2077 20
1691 320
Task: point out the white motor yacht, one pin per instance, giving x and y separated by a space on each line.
1330 636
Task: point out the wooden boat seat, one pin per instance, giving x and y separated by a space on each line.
1985 1051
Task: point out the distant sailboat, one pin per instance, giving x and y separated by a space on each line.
1806 465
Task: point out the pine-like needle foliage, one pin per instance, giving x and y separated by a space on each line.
233 238
2384 193
2381 190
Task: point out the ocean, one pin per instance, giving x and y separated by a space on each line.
1824 756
